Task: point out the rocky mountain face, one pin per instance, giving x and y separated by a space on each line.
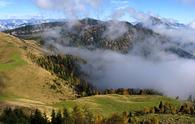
93 34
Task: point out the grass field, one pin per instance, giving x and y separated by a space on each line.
107 104
14 61
10 56
19 76
104 105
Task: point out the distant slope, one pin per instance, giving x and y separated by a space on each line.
93 34
90 33
6 24
21 78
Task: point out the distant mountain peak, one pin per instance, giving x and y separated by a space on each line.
7 24
153 21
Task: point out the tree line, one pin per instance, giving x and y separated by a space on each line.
168 108
85 116
129 91
76 116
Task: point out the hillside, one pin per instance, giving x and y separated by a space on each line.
31 78
21 78
92 34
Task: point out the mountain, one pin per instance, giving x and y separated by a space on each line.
156 21
92 34
34 78
6 24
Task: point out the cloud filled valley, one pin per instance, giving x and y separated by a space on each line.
163 71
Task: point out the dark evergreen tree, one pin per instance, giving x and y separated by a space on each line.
15 116
38 118
58 118
161 107
66 117
53 117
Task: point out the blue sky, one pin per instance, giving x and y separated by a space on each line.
181 10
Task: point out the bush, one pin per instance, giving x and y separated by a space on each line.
155 120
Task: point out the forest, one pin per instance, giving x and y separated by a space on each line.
84 116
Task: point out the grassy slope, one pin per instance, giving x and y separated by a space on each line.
9 55
22 81
108 104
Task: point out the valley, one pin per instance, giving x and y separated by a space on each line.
97 62
33 89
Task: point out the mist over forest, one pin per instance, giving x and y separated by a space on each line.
151 61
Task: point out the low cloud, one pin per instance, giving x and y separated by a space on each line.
168 27
115 29
108 69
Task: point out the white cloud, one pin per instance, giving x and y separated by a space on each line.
109 69
44 3
115 29
181 34
192 25
71 8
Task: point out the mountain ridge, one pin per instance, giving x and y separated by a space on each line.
92 34
8 24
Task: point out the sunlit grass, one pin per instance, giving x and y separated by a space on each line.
108 104
14 61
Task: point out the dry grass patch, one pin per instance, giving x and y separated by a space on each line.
25 79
